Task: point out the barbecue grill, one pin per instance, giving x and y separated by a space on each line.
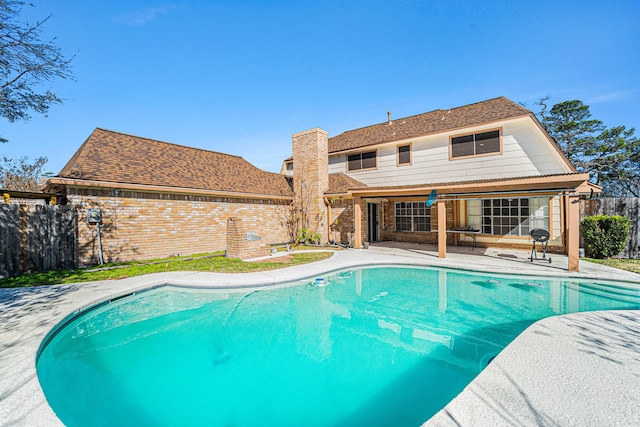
539 235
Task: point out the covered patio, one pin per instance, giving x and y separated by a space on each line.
493 213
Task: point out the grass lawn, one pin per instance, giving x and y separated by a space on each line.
629 264
200 262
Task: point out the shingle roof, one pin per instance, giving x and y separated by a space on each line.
433 122
340 183
117 157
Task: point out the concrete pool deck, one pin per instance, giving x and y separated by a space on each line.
577 369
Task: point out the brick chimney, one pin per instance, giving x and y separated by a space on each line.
311 178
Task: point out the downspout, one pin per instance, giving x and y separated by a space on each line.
100 257
328 205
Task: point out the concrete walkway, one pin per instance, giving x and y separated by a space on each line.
579 369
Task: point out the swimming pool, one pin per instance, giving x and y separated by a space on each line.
371 346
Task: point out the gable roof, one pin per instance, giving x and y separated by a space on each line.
120 158
428 123
340 183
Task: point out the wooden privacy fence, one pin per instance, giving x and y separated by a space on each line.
625 206
37 238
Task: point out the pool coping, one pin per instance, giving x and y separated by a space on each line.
516 386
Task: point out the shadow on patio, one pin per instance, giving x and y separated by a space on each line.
464 256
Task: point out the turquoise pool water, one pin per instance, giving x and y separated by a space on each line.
370 347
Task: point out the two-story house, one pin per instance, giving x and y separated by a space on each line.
485 173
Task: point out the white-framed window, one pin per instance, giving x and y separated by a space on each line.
476 144
289 166
360 161
413 216
508 216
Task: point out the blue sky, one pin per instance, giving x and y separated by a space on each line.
240 77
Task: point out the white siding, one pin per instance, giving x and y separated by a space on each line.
526 152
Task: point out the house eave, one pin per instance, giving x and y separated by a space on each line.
548 184
339 194
81 183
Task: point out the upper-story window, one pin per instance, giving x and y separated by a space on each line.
288 166
360 161
476 144
404 155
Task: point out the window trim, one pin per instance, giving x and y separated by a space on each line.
412 217
410 145
361 153
494 153
549 217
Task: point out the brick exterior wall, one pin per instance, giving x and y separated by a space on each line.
311 177
139 225
341 220
389 229
238 243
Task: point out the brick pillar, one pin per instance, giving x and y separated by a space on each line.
239 245
311 178
236 238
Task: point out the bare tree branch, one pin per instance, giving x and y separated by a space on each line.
26 62
21 174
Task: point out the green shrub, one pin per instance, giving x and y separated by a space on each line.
605 235
307 237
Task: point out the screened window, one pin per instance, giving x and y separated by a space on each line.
361 161
475 144
508 217
404 154
413 216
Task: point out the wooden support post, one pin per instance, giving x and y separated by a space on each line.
357 223
442 229
573 233
328 204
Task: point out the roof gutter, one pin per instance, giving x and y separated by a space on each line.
550 184
161 189
519 194
489 194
